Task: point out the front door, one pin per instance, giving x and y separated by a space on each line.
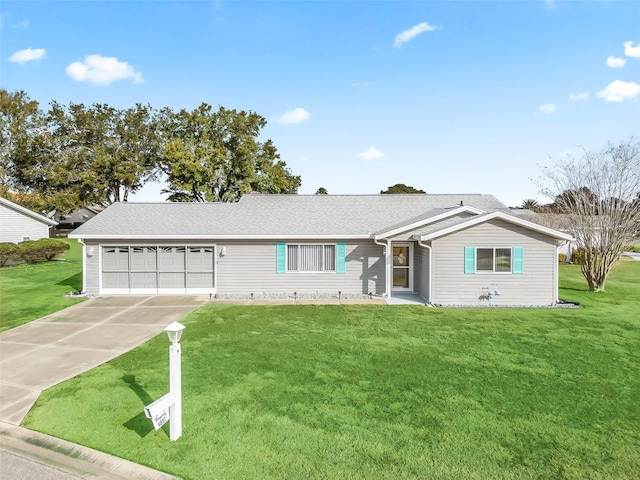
402 267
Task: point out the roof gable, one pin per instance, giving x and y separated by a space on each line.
466 223
25 211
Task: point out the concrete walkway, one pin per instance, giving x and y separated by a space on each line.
45 352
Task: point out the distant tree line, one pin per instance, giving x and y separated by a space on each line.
71 155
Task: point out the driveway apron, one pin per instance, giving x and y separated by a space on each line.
45 352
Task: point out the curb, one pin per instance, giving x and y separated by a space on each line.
82 462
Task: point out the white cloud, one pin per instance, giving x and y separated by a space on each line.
631 51
28 55
413 32
618 91
99 70
615 62
548 108
371 154
580 96
23 24
297 115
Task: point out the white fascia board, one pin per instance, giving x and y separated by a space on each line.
26 211
429 220
219 237
501 216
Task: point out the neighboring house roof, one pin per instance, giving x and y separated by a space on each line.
79 215
289 216
27 212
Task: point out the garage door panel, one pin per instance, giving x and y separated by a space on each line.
171 280
144 280
200 280
143 259
115 280
171 259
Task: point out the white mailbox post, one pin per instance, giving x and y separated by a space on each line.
169 406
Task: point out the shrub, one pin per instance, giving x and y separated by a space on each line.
562 257
635 248
8 251
578 256
52 247
32 251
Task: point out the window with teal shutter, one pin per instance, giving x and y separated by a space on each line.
518 260
341 258
469 259
281 258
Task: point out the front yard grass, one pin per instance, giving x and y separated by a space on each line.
28 292
380 392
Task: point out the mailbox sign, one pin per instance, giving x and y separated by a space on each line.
159 419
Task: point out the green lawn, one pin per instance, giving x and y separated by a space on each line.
380 392
32 291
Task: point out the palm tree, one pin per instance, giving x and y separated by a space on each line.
530 204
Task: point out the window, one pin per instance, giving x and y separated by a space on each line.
311 258
493 260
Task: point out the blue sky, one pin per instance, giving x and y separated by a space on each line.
449 97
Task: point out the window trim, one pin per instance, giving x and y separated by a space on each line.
323 256
516 260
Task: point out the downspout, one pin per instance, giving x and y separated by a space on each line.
84 265
387 265
557 268
428 247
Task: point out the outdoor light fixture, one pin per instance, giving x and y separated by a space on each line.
174 331
90 252
223 251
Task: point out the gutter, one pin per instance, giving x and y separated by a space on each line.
387 265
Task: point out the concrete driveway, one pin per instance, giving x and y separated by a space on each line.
45 352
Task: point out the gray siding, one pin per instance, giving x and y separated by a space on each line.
16 226
422 272
250 267
451 286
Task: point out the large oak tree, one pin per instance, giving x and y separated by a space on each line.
216 155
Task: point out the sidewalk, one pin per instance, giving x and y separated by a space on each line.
27 455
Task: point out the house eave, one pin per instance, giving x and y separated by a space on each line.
491 216
405 228
218 237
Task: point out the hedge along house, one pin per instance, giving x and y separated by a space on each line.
448 249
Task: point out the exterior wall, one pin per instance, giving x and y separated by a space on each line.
16 226
536 286
250 267
422 272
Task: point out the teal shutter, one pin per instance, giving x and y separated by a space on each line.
341 258
281 258
518 260
469 259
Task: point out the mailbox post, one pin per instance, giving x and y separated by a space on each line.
169 407
174 330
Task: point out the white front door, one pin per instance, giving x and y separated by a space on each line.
402 274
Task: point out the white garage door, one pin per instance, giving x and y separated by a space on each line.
158 269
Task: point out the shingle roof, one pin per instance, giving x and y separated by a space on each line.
274 216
